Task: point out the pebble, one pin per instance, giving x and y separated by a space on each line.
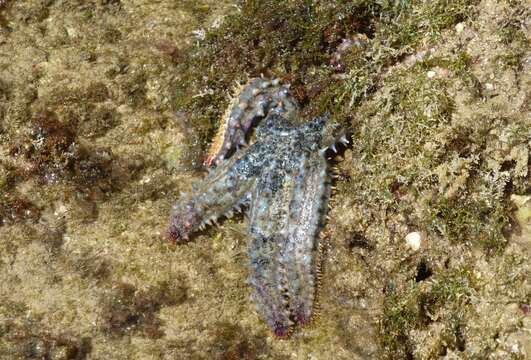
413 240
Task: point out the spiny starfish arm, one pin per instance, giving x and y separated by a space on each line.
253 102
323 132
225 189
267 277
287 209
302 256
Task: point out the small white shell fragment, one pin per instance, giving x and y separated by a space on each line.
459 27
413 240
431 74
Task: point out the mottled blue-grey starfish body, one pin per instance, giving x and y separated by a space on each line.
283 178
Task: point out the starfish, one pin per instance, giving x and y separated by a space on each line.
283 180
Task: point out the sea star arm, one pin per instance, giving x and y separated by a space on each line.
307 211
253 102
225 189
268 219
286 216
